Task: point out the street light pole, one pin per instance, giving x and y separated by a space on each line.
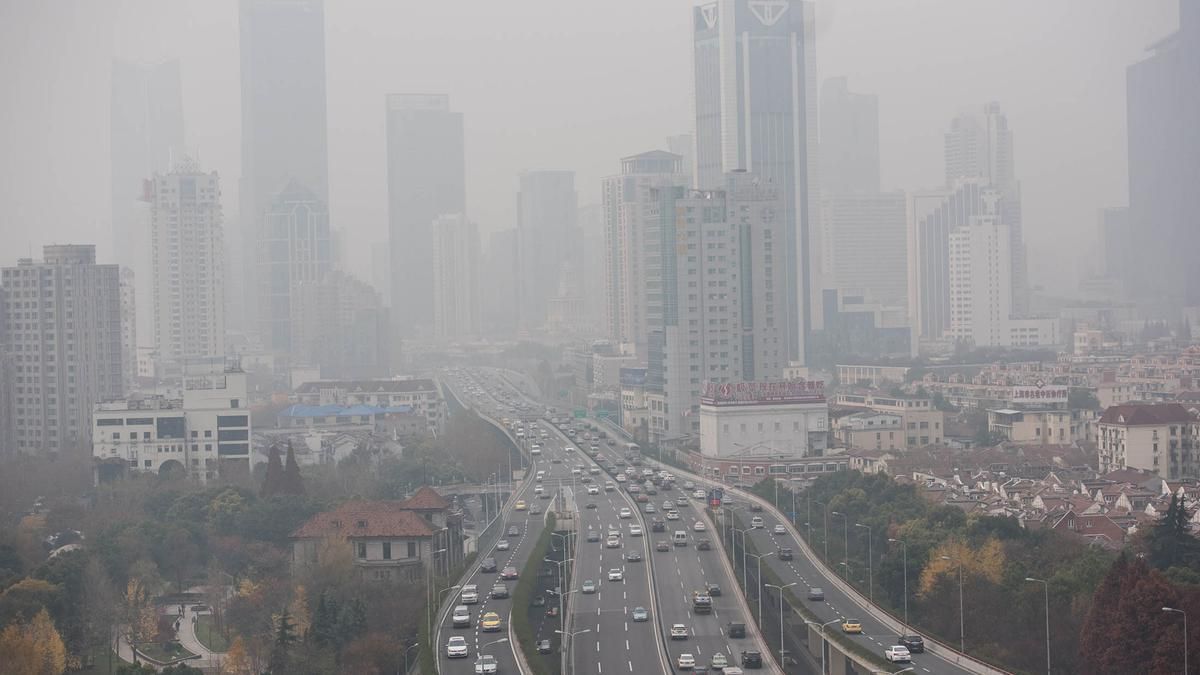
962 635
571 641
1185 634
905 545
870 561
821 630
736 531
1046 588
479 655
780 589
846 541
758 581
406 651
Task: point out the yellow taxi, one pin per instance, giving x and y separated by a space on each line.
520 505
851 626
490 622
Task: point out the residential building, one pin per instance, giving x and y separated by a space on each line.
980 282
870 431
388 541
864 243
546 241
295 252
749 430
607 370
8 388
189 264
856 324
756 111
203 435
284 128
849 140
866 375
456 278
922 422
633 254
146 136
424 396
1044 426
129 333
1161 438
1162 105
426 178
63 327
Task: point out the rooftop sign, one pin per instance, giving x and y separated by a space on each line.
749 393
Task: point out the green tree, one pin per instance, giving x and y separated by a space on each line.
273 481
1079 398
293 483
325 621
352 622
1170 543
285 637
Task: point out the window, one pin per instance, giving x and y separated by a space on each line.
387 550
362 550
412 549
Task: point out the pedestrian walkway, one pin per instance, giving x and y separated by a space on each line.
186 634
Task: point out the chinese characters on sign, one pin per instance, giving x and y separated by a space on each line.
785 391
1043 394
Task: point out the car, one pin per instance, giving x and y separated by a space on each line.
499 591
662 546
689 485
658 525
755 507
779 529
544 647
594 470
614 534
682 501
785 553
735 629
612 542
593 535
535 510
461 617
514 531
649 508
502 545
699 494
672 515
556 460
520 505
851 626
816 593
643 499
699 526
490 623
668 505
456 647
703 544
633 556
509 573
635 530
588 587
469 594
625 513
679 632
714 589
719 661
914 643
486 665
609 487
751 658
488 565
640 614
756 522
593 490
616 575
897 654
590 505
686 662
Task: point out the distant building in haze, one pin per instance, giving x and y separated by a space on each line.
295 251
426 178
865 245
499 295
547 206
456 278
849 139
62 333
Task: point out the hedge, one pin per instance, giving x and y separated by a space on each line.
523 594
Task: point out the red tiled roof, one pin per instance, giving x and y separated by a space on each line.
1139 414
365 519
426 498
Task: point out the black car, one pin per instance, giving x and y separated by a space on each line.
915 644
488 565
593 535
736 629
658 525
590 505
703 545
785 554
751 659
543 647
714 590
755 507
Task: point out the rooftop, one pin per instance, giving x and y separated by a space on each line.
1146 414
381 386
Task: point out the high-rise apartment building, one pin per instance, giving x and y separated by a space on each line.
62 323
980 281
426 178
129 318
864 244
1162 106
295 252
633 249
724 282
283 122
146 135
756 111
849 139
189 270
455 277
547 240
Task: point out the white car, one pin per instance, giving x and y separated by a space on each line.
699 494
672 515
502 545
779 530
635 530
456 647
593 490
461 617
608 486
689 485
756 522
686 662
616 575
679 632
469 595
699 526
486 665
625 513
897 654
612 542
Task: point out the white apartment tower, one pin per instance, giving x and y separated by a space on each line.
980 282
186 234
63 325
455 277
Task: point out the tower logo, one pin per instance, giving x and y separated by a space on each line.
768 11
709 12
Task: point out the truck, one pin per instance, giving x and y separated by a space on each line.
701 602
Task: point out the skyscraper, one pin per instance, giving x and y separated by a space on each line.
547 206
849 139
1163 104
63 336
426 178
865 245
146 134
633 254
294 251
756 111
189 268
283 120
455 277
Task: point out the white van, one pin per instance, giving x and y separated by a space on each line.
680 538
542 474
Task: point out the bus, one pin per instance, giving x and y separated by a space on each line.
631 450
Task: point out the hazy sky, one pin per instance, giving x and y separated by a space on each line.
574 85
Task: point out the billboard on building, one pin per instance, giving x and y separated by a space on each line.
633 377
1040 393
749 393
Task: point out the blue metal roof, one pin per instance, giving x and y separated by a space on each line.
299 410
